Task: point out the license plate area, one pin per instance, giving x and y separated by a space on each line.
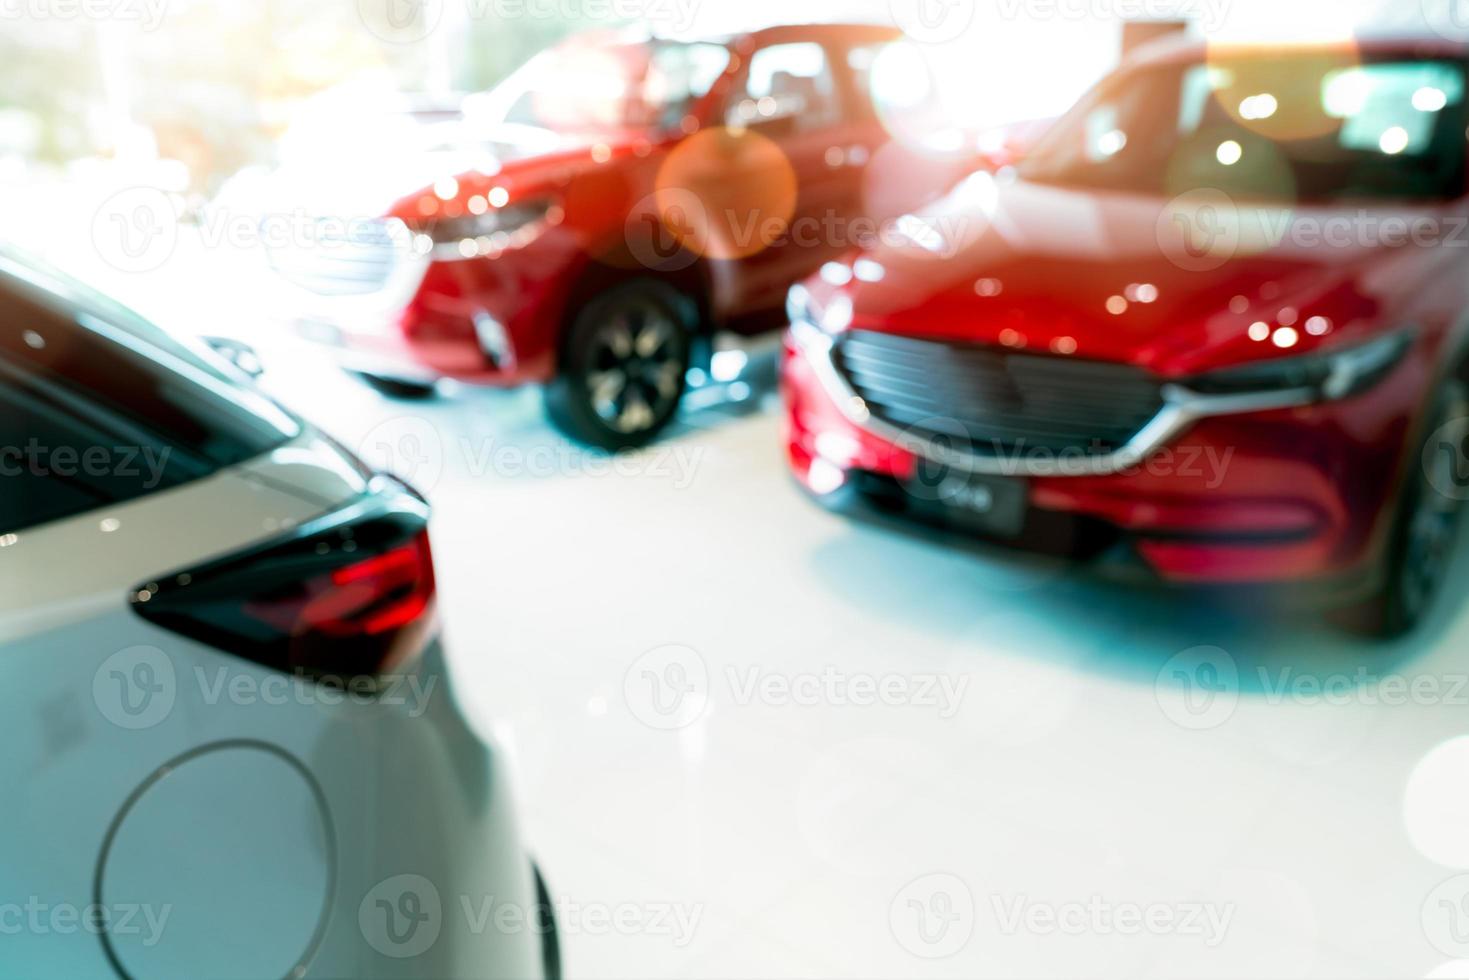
991 505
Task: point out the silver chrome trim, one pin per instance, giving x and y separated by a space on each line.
1181 409
493 339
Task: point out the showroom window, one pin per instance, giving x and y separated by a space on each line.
680 75
1316 130
894 80
789 87
638 85
1392 108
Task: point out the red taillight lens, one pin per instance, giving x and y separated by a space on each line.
391 590
368 598
349 596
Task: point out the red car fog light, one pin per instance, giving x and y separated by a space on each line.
824 477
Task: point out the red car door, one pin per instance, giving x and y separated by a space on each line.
789 98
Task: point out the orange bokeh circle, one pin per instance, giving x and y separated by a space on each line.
727 193
1279 98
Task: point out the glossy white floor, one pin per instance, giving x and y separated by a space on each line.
754 740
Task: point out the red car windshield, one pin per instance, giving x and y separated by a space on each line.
1296 127
586 87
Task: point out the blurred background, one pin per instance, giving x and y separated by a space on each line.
795 828
213 101
188 95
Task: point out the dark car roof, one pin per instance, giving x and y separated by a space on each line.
814 30
842 32
1182 50
79 374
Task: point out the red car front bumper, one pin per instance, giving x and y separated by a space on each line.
1286 495
488 320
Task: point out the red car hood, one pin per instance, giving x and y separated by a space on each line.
1109 276
531 170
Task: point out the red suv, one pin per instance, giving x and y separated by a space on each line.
643 193
1214 323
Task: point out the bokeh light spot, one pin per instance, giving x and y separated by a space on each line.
744 187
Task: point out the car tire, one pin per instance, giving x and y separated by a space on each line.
624 366
403 389
1425 526
547 928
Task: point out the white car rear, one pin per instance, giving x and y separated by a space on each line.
231 743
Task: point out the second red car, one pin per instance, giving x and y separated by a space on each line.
643 194
1214 323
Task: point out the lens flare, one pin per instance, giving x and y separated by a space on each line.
902 88
1301 94
1436 804
739 185
1429 99
1394 140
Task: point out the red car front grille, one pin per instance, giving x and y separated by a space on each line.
992 401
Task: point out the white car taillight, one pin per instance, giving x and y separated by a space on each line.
348 596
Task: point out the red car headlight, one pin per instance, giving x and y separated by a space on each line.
831 317
495 230
1325 376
